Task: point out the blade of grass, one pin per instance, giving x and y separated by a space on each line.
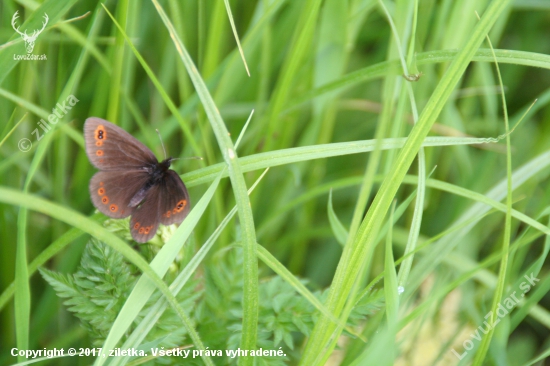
396 215
391 293
378 70
303 32
534 268
540 163
265 256
235 34
241 135
250 262
89 226
117 60
45 256
499 291
280 157
419 204
381 350
169 103
22 295
442 248
229 69
13 128
347 271
340 232
144 287
22 300
306 153
149 321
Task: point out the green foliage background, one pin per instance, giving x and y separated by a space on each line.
351 210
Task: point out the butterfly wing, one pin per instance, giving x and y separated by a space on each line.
112 191
174 202
109 147
145 219
126 167
166 202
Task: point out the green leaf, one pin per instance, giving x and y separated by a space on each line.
338 229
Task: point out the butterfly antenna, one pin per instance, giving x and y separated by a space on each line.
190 157
163 149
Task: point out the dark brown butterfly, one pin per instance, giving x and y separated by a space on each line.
131 180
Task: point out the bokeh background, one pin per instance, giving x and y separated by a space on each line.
321 73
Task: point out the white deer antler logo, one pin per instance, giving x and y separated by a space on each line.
29 40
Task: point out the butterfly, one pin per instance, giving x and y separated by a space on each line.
131 181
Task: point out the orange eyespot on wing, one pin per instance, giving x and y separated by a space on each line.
174 205
180 206
100 133
145 222
109 147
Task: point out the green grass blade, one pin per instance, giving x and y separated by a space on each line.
83 223
419 204
160 264
340 232
22 299
250 303
22 295
169 103
320 151
45 256
425 58
8 134
391 291
499 291
148 322
277 267
117 60
335 89
491 197
346 273
303 31
235 34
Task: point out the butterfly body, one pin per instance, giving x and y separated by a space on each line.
157 173
131 181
